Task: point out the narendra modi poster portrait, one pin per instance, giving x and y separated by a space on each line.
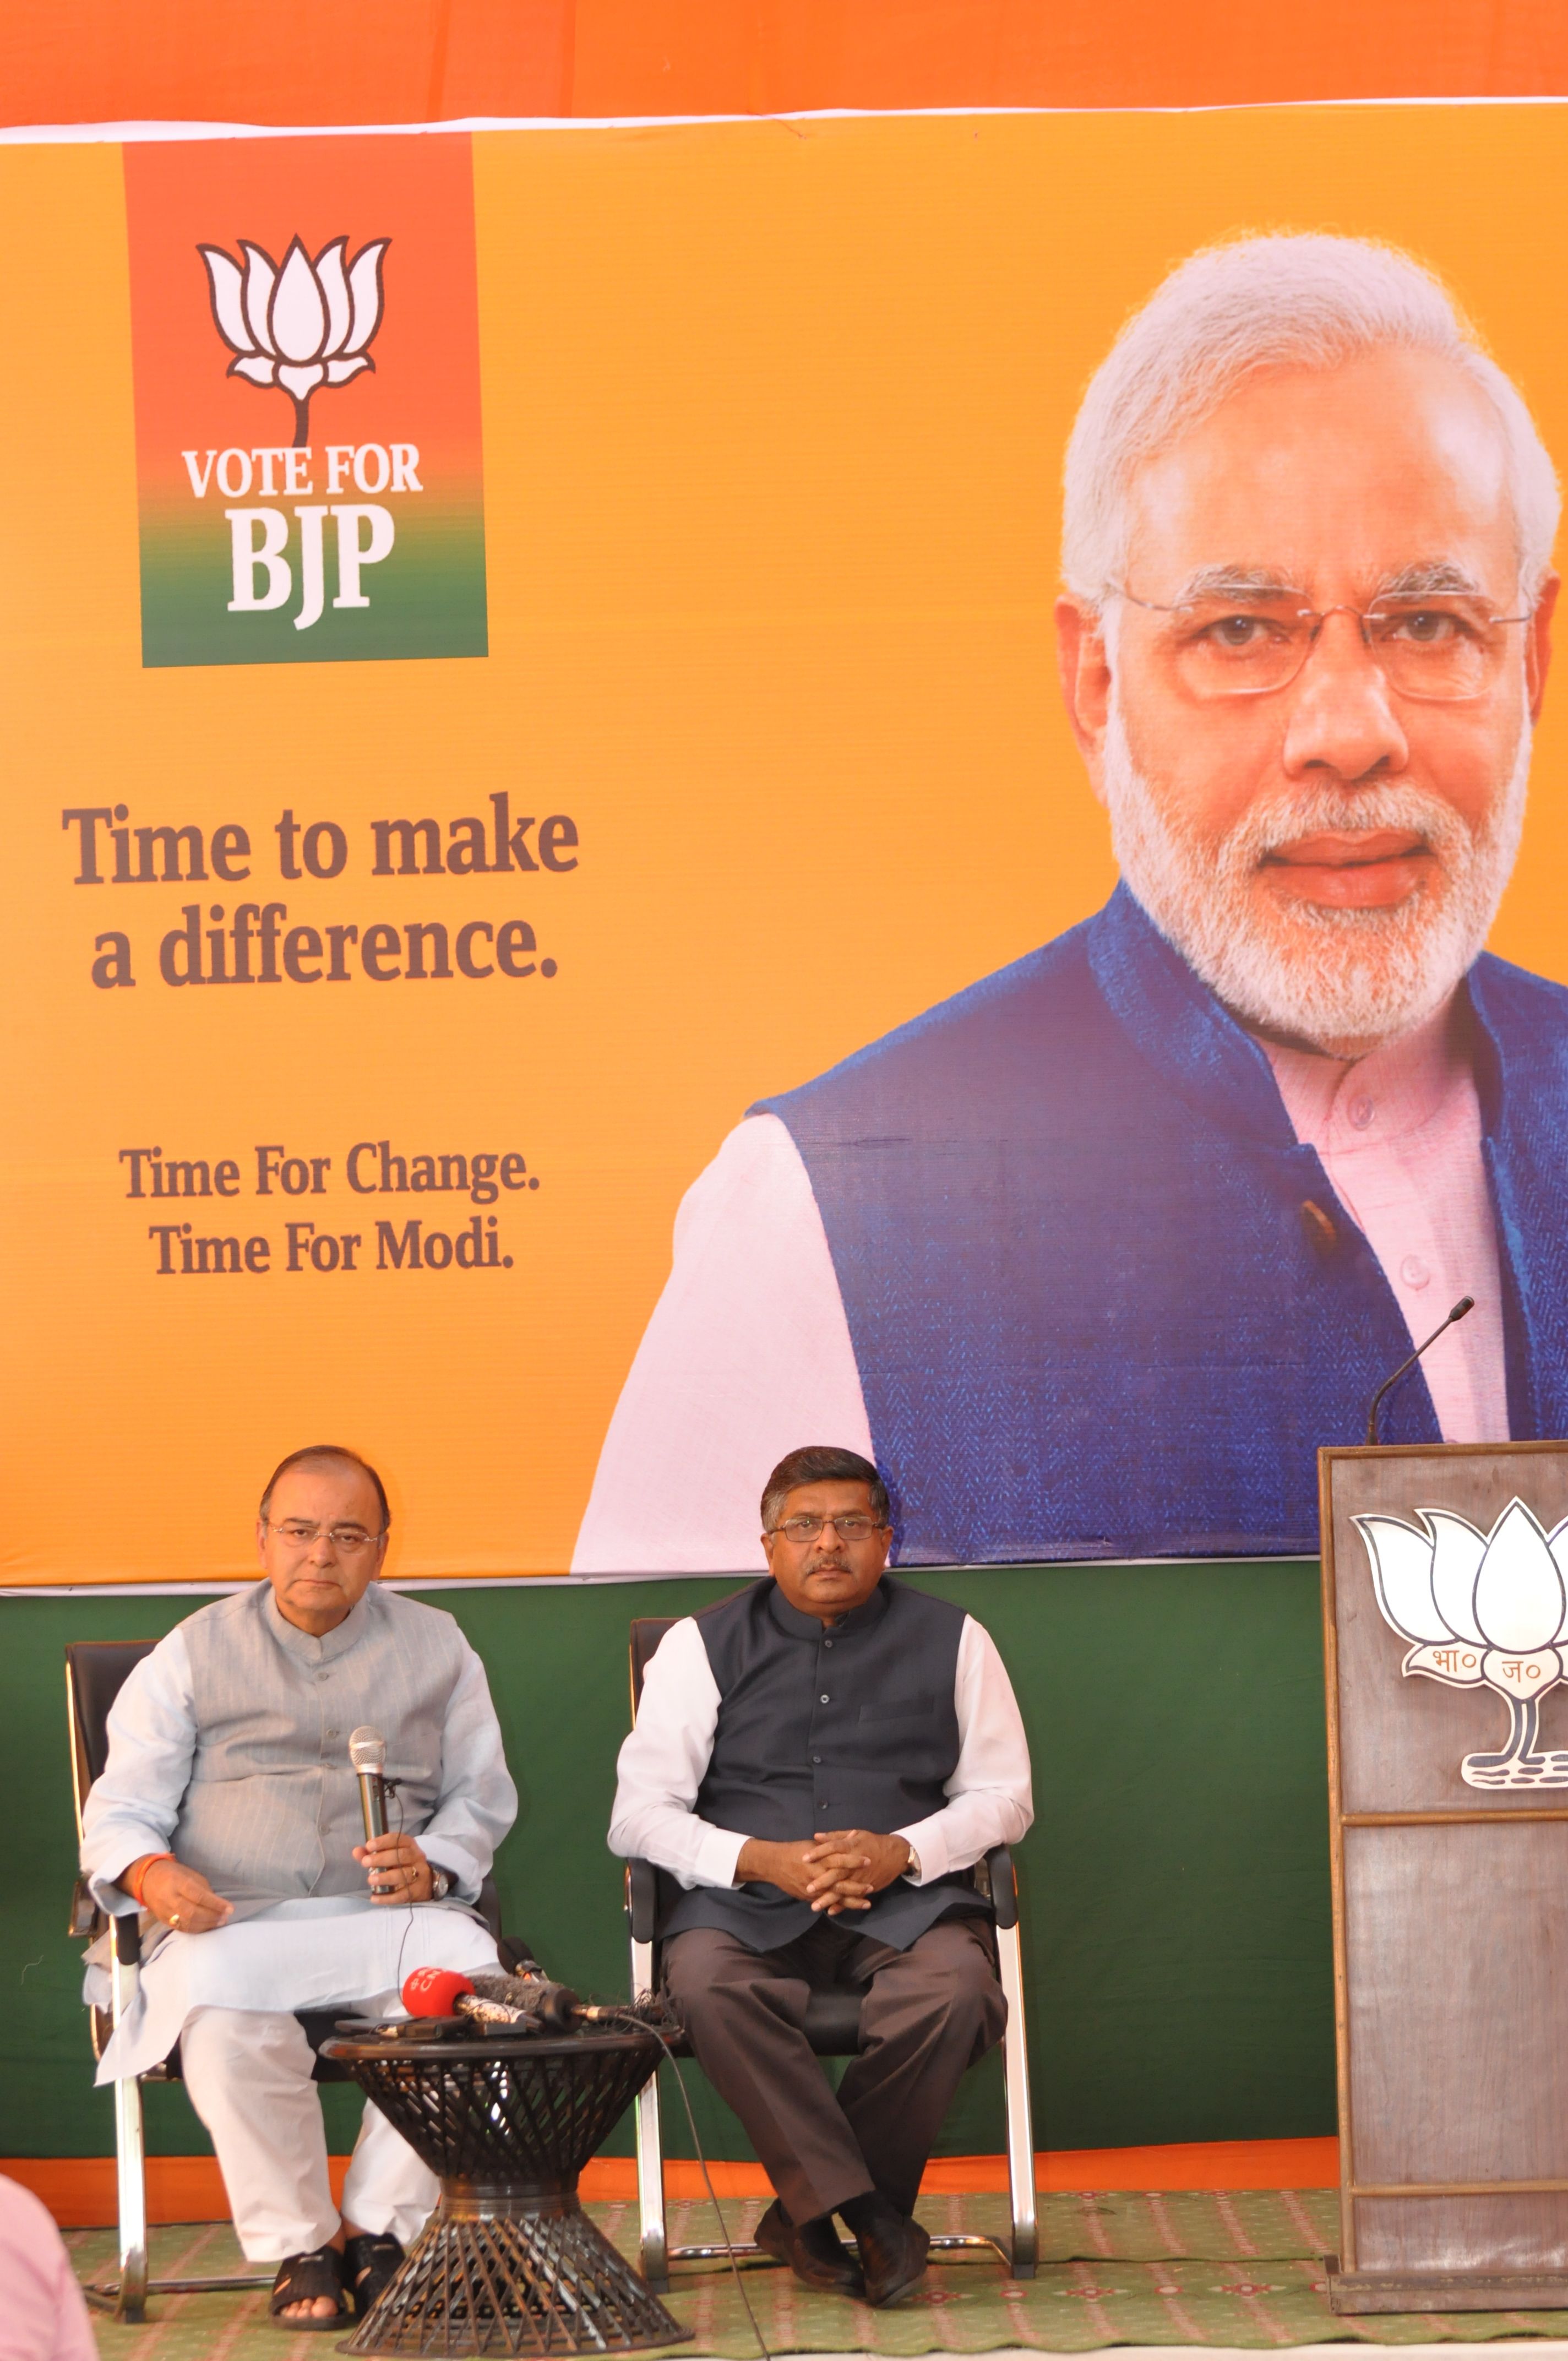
1092 1257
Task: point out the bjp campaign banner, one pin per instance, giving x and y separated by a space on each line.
605 878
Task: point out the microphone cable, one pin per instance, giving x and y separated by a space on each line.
640 2025
409 1925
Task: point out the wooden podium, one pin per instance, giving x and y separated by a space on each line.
1445 1629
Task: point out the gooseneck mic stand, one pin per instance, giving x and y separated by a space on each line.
1465 1304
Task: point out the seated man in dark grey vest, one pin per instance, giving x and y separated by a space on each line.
816 1762
229 1814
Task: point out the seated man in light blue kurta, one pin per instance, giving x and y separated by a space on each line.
229 1814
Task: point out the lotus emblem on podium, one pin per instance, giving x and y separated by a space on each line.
1484 1610
300 325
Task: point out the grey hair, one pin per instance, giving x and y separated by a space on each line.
1283 301
821 1463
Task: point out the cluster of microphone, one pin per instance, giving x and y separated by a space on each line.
523 2004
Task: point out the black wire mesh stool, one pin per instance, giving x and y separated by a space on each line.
508 2263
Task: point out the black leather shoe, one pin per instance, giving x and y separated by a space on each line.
893 2249
812 2250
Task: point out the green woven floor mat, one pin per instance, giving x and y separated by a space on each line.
1238 2269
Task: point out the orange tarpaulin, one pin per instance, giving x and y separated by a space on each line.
323 61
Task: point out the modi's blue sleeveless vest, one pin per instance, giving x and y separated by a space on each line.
851 1726
1096 1308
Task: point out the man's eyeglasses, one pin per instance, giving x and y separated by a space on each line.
849 1528
347 1540
1440 650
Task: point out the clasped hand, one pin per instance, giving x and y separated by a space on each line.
836 1871
181 1898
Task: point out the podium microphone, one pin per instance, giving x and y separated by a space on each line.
1465 1304
368 1753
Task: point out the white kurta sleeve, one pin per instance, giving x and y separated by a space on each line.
990 1798
132 1809
477 1803
660 1767
746 1358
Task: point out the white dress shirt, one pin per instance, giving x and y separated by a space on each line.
660 1767
326 1951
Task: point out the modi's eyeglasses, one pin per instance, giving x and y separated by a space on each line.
1440 650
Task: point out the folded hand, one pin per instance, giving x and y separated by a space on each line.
833 1873
850 1865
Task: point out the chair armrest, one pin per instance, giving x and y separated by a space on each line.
1004 1879
642 1899
86 1919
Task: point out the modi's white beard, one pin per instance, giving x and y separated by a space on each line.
1337 980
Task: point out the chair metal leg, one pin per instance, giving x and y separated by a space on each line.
651 2234
1020 2113
130 2160
127 2299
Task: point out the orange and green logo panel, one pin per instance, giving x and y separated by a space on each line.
305 325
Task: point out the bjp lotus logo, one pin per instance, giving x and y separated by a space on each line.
1484 1610
302 326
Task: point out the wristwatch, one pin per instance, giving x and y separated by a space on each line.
439 1883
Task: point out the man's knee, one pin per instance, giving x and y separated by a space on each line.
969 1957
253 2043
703 1961
954 1985
712 1980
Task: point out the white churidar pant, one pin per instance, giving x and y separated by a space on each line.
248 2077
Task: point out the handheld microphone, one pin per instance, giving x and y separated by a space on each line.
368 1753
1465 1304
523 2004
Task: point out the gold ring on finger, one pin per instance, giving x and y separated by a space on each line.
174 1917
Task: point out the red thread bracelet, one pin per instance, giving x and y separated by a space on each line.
134 1891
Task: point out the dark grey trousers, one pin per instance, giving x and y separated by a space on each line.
928 2012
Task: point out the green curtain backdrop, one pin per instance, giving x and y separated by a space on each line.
1175 1884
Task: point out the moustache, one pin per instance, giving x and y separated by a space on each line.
1283 820
827 1565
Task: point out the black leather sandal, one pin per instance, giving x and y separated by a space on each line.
301 2278
370 2264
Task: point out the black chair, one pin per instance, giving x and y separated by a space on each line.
833 2028
94 1671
